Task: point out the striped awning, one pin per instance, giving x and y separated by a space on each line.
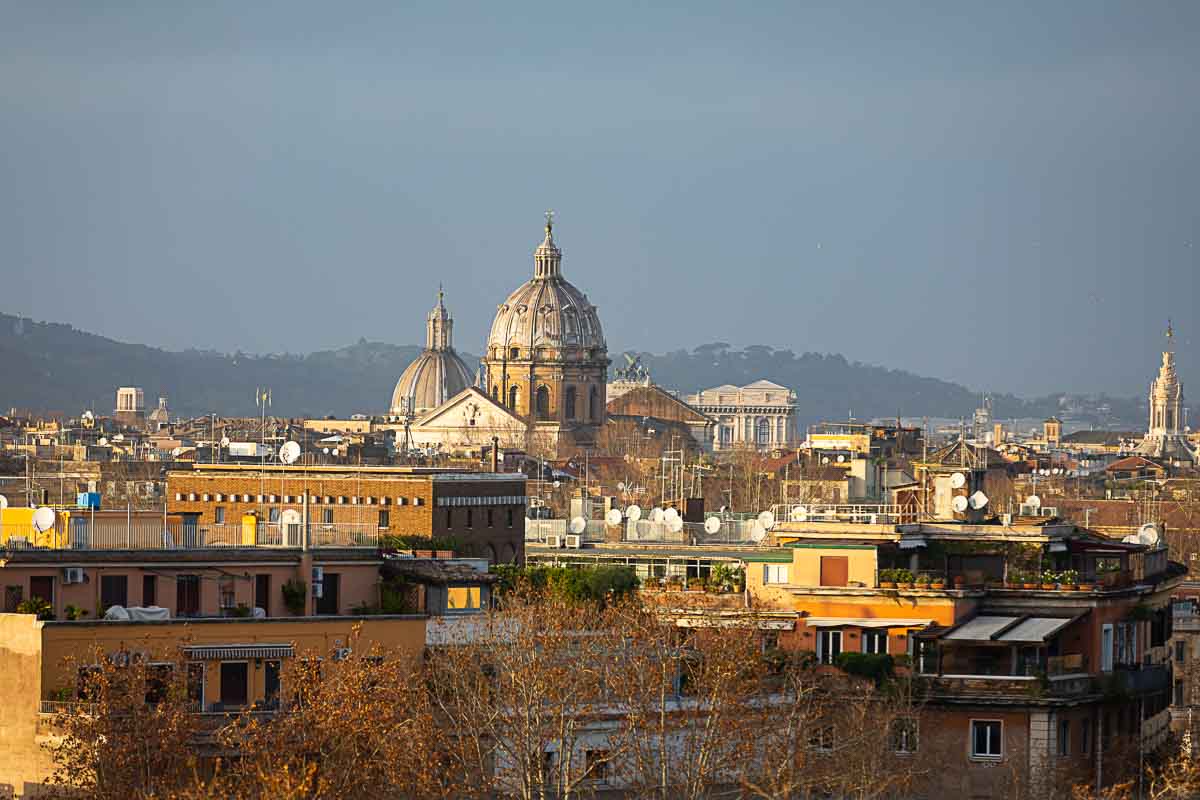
237 652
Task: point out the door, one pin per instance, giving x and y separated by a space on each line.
271 683
42 586
114 591
187 596
262 593
835 570
1106 648
328 602
149 590
234 676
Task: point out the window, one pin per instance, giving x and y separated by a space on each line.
875 642
273 514
820 738
768 641
596 765
1125 649
195 683
1180 650
1106 648
904 735
986 738
262 593
384 518
449 517
149 590
1085 736
594 404
158 681
226 593
510 517
1178 693
462 598
512 398
328 603
569 402
829 646
491 517
234 676
542 402
327 516
271 684
219 515
470 517
775 573
514 352
1064 737
114 591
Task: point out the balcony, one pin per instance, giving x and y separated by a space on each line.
143 534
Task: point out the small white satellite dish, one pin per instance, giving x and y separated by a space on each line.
758 532
557 484
960 503
1033 501
3 502
325 450
978 500
224 441
103 442
670 515
798 513
120 437
289 452
656 514
712 525
634 512
825 460
43 519
675 525
621 486
841 459
578 525
1148 533
958 480
613 517
175 451
290 516
767 520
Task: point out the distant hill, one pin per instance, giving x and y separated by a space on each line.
53 366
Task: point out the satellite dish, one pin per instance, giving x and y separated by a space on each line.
798 514
289 452
656 514
43 519
960 503
1033 501
103 442
325 450
758 532
3 502
675 524
712 525
578 525
767 520
621 486
120 437
634 512
958 480
290 517
841 459
978 500
1148 533
670 515
88 416
557 484
613 517
224 441
175 451
825 460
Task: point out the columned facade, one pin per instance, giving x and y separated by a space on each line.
760 415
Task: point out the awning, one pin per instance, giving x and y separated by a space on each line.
1009 630
864 622
235 652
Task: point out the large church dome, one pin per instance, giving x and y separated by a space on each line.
437 374
546 312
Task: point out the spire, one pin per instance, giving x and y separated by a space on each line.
547 259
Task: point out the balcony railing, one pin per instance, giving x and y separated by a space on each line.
862 513
731 531
144 534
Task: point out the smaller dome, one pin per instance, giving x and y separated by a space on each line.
438 373
432 379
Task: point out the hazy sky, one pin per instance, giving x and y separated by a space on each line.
999 194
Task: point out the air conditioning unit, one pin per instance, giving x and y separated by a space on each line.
72 574
1029 511
1049 511
554 540
574 541
342 653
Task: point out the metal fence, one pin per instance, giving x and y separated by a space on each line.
731 531
861 513
141 533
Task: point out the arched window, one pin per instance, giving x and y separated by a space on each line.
594 404
496 393
514 352
542 402
764 431
569 402
512 397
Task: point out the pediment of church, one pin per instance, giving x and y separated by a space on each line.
470 408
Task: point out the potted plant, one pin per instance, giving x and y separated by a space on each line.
887 579
738 580
904 579
295 593
1069 580
938 582
1086 586
74 612
923 581
1049 580
36 606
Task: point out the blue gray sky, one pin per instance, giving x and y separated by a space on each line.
999 194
